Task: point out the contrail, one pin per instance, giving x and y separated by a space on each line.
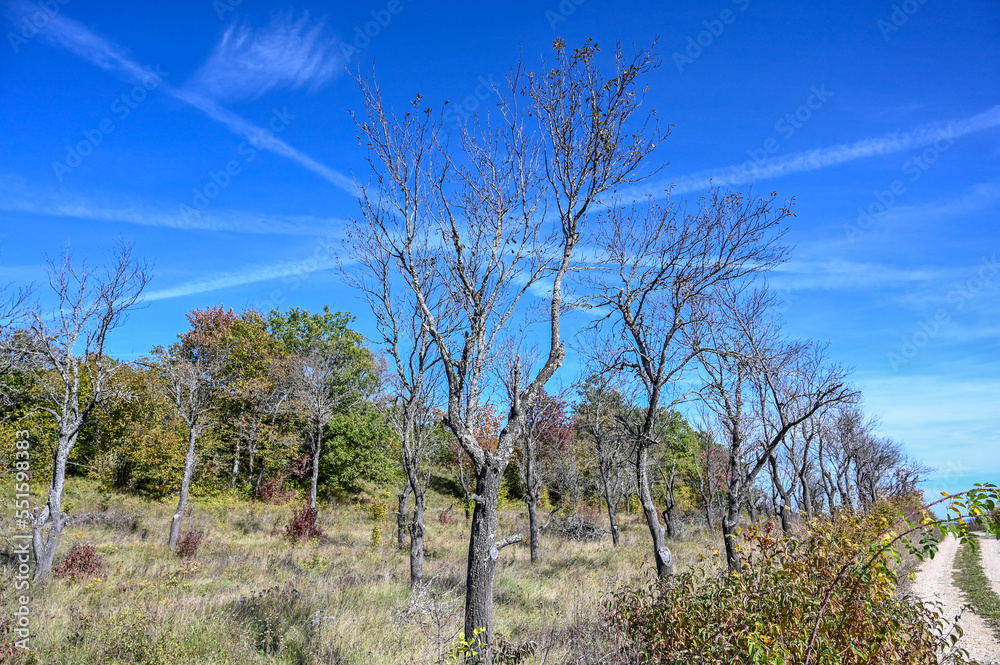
95 49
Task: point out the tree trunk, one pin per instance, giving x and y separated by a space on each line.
612 516
45 548
236 465
664 559
175 523
532 502
317 448
482 561
784 507
730 521
401 516
417 537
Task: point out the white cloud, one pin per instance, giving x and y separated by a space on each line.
15 198
78 39
249 275
288 53
811 160
949 422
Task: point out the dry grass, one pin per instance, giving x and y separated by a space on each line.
251 596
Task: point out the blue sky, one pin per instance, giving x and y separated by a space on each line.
144 120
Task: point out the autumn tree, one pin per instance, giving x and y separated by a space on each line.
476 226
189 372
71 371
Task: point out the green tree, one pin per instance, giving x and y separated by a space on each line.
330 370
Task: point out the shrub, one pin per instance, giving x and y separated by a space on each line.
303 524
269 490
278 621
133 636
82 560
188 544
379 511
767 613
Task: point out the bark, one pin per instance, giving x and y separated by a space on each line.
481 564
189 460
612 515
317 449
664 559
401 527
730 521
46 546
236 465
533 525
417 538
784 508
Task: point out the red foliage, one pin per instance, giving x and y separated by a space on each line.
269 490
81 560
188 544
303 525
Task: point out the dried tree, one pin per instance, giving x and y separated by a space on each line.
187 379
413 381
69 365
547 432
759 386
662 266
597 419
13 341
478 226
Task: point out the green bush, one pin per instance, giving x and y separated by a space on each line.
131 636
832 577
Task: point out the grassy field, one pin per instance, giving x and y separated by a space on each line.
249 595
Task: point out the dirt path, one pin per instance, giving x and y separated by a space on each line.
933 584
990 557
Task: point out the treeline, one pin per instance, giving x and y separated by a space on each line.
297 402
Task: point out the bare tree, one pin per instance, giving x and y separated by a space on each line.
547 432
597 418
760 387
663 264
186 377
13 341
322 388
71 369
477 227
411 350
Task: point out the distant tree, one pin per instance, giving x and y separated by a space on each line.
189 374
547 434
663 264
331 370
411 379
69 366
760 388
597 417
254 396
13 338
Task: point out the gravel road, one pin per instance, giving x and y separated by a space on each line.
990 554
933 584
